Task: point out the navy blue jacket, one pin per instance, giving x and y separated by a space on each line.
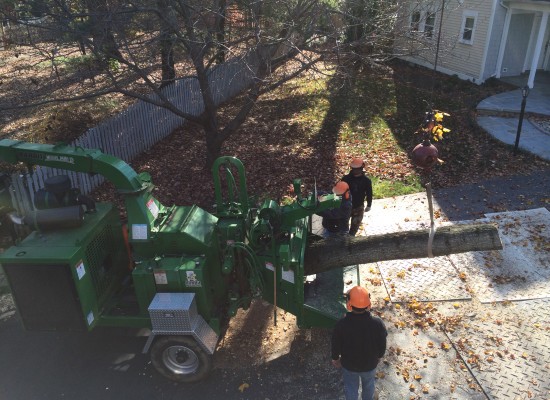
336 220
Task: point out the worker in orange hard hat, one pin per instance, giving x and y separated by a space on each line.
361 189
336 220
341 189
357 297
358 343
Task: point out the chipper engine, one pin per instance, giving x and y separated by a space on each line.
178 270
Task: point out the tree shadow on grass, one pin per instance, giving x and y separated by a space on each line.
353 107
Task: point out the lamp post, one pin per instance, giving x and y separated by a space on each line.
524 94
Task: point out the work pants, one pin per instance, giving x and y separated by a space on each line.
351 384
356 219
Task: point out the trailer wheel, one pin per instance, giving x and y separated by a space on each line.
181 359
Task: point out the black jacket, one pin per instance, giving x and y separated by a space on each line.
359 340
360 188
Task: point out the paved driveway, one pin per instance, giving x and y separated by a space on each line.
466 326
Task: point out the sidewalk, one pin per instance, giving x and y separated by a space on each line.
492 118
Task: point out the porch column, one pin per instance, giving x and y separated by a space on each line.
538 48
503 42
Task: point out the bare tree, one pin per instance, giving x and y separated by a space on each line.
136 47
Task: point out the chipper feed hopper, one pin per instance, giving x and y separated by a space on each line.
178 270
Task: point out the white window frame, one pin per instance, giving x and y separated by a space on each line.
414 26
429 33
419 27
467 14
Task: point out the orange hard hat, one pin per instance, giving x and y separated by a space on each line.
358 297
340 188
357 163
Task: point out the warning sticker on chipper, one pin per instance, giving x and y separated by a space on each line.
80 270
153 208
192 280
288 275
160 278
90 318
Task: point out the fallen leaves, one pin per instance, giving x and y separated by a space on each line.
405 374
504 279
446 346
243 387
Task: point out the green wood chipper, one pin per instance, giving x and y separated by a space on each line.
179 270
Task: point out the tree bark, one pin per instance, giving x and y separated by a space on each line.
101 29
220 31
167 42
332 253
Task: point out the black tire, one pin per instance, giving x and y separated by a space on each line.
181 359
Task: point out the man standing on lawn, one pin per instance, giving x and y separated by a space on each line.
358 344
360 188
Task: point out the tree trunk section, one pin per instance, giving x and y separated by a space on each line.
220 31
101 29
167 60
167 36
213 146
333 253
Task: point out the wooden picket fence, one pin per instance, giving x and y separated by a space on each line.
139 127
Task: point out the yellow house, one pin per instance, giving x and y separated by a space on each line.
476 39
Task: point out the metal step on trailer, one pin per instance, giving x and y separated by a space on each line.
326 291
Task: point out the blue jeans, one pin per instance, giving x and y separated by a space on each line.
328 234
351 384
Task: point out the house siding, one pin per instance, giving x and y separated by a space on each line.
486 55
463 59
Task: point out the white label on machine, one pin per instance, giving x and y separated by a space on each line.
153 207
288 276
192 280
80 270
139 231
90 317
160 278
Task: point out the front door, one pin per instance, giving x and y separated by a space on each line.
517 44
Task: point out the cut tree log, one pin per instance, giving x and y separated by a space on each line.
337 252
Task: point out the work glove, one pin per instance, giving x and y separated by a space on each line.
367 208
